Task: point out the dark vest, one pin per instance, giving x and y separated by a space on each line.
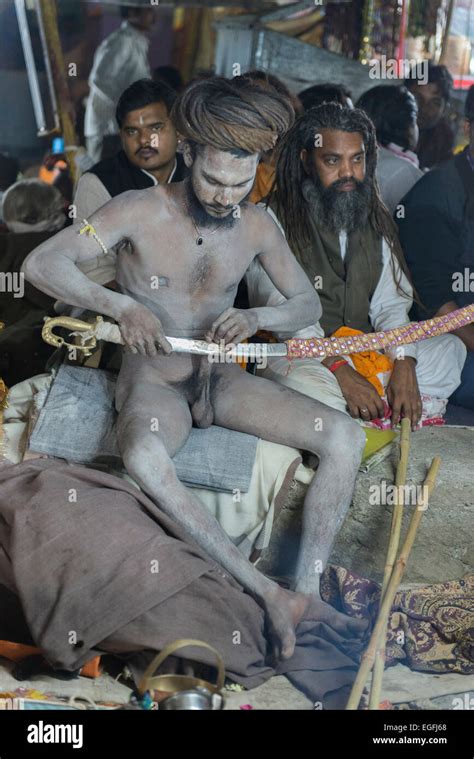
118 175
347 285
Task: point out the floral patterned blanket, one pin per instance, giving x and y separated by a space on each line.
431 627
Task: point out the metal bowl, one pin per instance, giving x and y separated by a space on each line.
196 699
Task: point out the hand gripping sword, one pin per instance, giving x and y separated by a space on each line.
295 348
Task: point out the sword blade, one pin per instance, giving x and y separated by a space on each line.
240 351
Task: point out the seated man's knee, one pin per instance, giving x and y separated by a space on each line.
456 350
352 434
149 458
144 454
345 437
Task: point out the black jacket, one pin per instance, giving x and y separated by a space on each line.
437 234
118 175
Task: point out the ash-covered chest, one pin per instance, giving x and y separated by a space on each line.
168 269
201 270
216 269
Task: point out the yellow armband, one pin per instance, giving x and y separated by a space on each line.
89 230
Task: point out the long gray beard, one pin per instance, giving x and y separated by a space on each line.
338 211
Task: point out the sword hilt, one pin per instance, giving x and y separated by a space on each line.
77 327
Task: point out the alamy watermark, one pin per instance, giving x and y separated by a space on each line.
12 704
232 353
12 282
43 732
387 494
463 281
405 68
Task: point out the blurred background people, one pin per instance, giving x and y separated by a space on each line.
9 168
33 212
120 60
437 235
31 205
168 75
437 136
393 111
318 94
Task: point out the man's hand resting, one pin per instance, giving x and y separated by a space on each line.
403 393
363 401
142 332
233 326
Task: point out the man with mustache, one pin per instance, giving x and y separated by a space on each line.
328 202
196 239
120 60
148 157
149 141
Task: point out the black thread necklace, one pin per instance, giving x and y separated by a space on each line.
200 238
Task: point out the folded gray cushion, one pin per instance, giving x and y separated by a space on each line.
77 423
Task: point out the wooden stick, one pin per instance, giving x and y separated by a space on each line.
369 655
397 516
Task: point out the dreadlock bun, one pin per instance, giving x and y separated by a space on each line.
230 115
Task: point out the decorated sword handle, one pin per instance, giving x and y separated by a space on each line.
85 331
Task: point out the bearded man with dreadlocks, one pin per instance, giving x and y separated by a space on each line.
198 237
328 202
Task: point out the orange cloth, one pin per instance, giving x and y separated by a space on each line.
49 175
369 363
18 651
263 182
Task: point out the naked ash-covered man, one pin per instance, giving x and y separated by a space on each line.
198 237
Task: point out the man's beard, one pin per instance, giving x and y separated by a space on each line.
200 216
336 209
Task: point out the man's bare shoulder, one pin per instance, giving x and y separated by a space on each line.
153 202
256 215
163 201
261 224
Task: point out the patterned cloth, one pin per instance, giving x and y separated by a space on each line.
431 627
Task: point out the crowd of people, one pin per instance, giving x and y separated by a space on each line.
379 215
232 209
319 253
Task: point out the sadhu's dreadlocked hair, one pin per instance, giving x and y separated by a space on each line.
291 206
232 115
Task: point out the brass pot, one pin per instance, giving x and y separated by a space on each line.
161 687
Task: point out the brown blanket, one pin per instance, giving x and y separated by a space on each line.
79 550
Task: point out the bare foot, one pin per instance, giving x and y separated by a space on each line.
284 611
349 627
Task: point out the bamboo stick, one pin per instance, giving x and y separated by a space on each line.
397 516
369 655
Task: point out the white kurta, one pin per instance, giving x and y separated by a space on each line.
439 360
120 60
396 175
